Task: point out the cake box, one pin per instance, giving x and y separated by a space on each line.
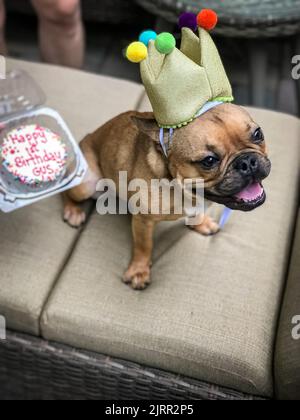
39 156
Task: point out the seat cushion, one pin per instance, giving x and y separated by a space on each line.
35 242
213 305
34 247
287 361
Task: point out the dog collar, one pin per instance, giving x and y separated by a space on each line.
166 147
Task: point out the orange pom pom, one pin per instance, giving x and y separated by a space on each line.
207 19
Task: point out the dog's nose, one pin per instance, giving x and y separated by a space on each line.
247 165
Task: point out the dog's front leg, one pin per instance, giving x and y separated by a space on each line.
138 273
207 226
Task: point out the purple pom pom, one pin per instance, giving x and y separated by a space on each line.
188 20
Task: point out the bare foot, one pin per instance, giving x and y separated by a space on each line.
208 227
74 215
137 276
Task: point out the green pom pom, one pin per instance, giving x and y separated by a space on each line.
165 43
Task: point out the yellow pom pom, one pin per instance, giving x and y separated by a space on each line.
137 52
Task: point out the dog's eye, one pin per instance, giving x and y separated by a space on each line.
209 162
258 136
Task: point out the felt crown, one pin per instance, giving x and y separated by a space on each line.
179 82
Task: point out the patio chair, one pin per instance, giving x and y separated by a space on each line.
257 20
207 327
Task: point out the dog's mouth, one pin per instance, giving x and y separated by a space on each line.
251 197
247 199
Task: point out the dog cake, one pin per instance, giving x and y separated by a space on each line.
33 155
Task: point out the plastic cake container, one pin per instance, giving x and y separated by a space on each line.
21 103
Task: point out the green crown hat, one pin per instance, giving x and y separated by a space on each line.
179 83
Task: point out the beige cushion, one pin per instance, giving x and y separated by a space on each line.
34 247
287 362
35 243
212 308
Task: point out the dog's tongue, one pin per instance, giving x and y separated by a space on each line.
251 193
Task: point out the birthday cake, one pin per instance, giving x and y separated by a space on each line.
34 155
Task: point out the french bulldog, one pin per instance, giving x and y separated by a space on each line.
224 147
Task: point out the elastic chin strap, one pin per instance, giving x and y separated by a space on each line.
166 148
225 217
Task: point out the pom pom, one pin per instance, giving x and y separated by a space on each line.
147 36
188 20
165 43
137 52
207 19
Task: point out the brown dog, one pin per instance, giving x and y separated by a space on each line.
225 147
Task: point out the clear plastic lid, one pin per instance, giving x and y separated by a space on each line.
19 93
39 157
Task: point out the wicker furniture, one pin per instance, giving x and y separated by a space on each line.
36 369
204 317
257 20
238 18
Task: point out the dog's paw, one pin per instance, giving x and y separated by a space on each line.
137 276
208 227
74 216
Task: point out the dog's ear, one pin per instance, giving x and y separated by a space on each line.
147 124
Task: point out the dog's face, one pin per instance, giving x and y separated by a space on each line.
226 149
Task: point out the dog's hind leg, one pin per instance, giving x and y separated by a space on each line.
74 215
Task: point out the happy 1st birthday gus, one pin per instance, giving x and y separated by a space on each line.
34 156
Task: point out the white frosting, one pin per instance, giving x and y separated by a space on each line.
34 154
